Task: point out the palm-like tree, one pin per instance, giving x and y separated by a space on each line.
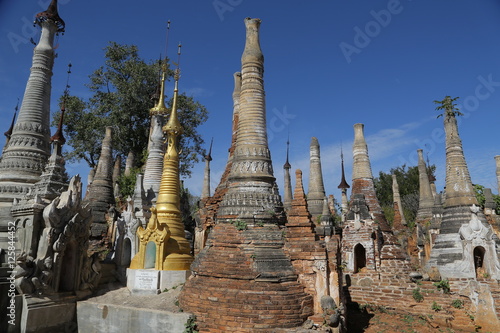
450 108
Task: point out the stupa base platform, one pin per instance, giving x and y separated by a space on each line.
120 311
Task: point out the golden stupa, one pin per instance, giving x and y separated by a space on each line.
163 245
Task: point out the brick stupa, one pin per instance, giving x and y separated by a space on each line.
368 240
244 261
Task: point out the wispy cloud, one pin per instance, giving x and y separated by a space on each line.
198 92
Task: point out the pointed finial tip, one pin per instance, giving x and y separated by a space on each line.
51 14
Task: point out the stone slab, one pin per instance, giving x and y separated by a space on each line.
144 281
170 279
48 315
94 317
150 281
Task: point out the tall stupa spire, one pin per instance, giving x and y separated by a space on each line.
205 193
316 188
23 160
156 144
455 251
100 194
362 177
426 199
397 199
459 189
165 227
52 181
497 162
343 186
287 200
246 245
252 192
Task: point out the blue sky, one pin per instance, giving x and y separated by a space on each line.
328 65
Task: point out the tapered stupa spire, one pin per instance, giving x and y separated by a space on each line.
287 202
205 193
426 199
236 113
100 194
117 172
362 177
343 186
459 189
23 160
497 162
397 199
165 227
129 164
252 192
316 188
156 144
463 228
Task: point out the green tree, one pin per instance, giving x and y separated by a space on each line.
121 98
479 192
408 181
447 107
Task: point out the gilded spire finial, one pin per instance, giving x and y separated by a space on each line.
173 126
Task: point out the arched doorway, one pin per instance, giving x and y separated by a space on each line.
359 257
479 266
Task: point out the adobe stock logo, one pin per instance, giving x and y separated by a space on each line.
363 37
223 6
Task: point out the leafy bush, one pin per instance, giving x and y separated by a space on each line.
457 304
417 295
436 307
190 325
443 285
239 224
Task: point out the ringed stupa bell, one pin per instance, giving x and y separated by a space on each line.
245 260
426 199
25 156
252 194
316 190
156 146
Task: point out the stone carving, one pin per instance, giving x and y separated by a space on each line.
475 235
61 263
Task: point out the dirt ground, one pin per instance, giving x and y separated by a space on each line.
367 320
384 321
